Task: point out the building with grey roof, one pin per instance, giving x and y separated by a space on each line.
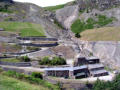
67 72
85 67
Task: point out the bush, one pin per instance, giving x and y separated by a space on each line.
25 59
34 79
10 73
78 26
109 85
77 35
37 75
20 76
45 61
4 8
54 61
58 61
103 20
58 24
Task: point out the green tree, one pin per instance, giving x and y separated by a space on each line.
25 59
58 61
77 35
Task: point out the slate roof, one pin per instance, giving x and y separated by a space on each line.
98 72
91 58
92 66
66 68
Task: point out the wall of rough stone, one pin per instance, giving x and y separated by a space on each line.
21 64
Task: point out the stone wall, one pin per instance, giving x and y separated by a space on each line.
21 64
37 38
39 45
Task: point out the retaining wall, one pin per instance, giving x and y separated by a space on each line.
37 38
39 45
21 64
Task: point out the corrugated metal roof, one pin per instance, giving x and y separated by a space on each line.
65 68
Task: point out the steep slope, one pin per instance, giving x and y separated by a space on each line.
87 9
99 4
8 83
101 34
25 12
23 28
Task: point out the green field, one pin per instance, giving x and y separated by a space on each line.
8 83
54 8
23 28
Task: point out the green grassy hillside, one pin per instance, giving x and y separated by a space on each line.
102 34
8 83
79 25
54 8
25 29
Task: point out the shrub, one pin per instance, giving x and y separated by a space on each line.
4 8
58 24
54 61
25 59
58 61
109 85
37 75
103 20
10 73
45 61
78 26
19 76
1 70
32 79
77 35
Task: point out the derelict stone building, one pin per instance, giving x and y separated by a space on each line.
84 67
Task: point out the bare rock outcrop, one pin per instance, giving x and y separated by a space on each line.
100 4
67 15
107 51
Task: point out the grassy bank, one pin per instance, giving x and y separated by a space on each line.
8 83
35 78
24 29
12 60
54 8
101 34
79 25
